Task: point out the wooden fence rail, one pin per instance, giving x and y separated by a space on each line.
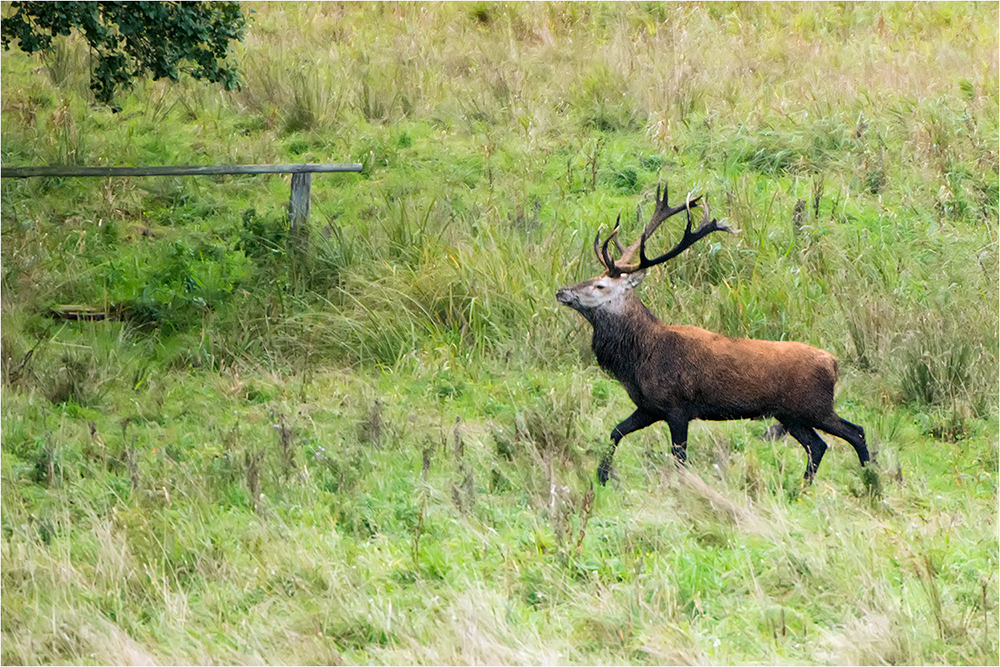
298 203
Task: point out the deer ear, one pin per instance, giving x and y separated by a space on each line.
633 279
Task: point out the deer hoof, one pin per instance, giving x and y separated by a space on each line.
604 472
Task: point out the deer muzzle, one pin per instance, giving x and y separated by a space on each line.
566 297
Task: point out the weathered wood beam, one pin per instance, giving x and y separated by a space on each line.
178 170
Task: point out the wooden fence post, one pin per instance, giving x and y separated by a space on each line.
298 209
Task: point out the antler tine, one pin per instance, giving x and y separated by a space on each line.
601 252
690 238
664 211
610 265
614 234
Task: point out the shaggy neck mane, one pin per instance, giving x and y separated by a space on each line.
619 338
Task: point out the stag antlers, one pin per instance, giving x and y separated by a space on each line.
662 211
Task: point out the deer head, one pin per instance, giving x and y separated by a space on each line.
610 291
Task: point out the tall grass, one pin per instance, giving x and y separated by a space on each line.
258 460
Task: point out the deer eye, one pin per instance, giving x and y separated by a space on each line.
599 286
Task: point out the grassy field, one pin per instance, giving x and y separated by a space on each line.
377 444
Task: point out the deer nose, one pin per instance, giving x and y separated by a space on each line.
564 296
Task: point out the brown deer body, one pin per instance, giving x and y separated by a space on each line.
676 373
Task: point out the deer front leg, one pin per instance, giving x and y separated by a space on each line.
637 420
678 436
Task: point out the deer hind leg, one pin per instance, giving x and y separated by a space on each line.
635 421
814 446
852 433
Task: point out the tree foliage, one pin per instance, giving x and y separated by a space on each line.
129 40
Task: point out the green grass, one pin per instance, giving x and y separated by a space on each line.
380 449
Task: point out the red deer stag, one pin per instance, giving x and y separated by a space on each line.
677 373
